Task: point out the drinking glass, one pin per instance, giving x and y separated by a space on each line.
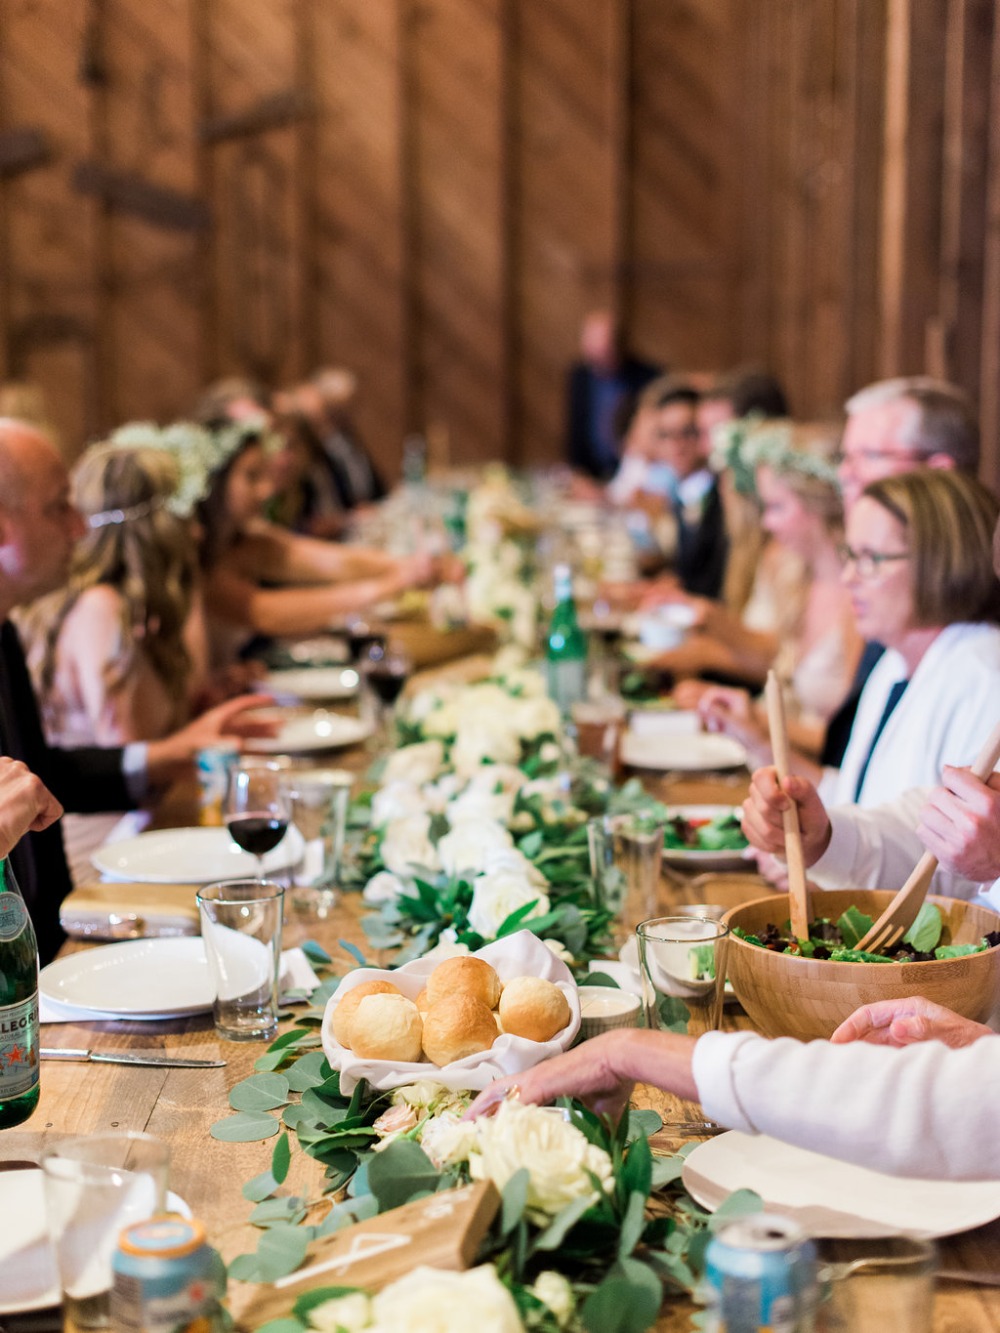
386 669
319 798
879 1286
632 848
241 929
95 1186
599 725
257 809
682 960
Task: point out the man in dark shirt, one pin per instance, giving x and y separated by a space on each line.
601 387
38 530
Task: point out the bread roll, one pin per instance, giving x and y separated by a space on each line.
347 1005
458 1026
534 1008
387 1027
464 976
422 1002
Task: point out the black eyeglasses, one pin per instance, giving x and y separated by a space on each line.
868 564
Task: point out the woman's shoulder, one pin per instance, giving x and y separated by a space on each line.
97 611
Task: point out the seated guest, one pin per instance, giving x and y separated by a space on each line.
326 402
308 495
108 652
917 567
600 387
905 1111
38 529
262 579
799 618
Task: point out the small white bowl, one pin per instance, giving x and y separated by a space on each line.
605 1009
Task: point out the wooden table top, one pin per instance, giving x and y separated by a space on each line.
179 1105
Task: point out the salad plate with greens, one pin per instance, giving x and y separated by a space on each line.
704 837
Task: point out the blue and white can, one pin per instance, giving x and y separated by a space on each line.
167 1279
760 1277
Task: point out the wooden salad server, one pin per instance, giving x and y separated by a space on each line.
901 913
798 888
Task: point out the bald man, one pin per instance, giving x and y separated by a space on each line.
39 528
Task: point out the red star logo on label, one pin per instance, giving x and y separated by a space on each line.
15 1056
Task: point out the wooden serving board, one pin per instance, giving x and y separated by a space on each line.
442 1231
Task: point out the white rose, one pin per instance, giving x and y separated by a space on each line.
415 763
406 843
509 858
488 737
498 893
383 888
557 1156
398 800
443 720
507 778
527 683
429 1095
507 661
469 842
553 1290
561 952
536 716
447 1138
427 1300
352 1313
475 803
446 949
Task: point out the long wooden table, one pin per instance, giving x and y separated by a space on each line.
180 1105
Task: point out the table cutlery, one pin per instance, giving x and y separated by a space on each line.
128 1058
798 889
902 911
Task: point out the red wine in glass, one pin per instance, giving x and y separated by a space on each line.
362 638
257 834
387 679
257 810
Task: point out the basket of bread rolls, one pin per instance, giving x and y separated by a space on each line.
462 1021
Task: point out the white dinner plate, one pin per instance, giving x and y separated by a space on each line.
685 754
311 683
320 730
833 1198
191 856
731 858
144 979
27 1260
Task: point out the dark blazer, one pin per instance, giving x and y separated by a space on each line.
83 780
703 548
580 448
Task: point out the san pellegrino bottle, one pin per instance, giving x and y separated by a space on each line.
19 1041
566 646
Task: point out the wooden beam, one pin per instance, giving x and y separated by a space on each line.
269 113
511 442
407 16
93 76
125 192
305 185
622 160
989 396
200 18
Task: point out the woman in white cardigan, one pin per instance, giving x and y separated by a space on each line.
917 565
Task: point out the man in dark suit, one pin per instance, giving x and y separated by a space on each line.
38 530
602 386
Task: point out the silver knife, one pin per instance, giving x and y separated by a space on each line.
128 1058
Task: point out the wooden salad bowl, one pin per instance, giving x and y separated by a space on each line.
788 996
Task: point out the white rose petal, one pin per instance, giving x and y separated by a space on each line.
509 858
352 1313
498 893
430 1301
469 842
553 1290
383 888
406 843
557 1156
561 952
484 738
447 1138
415 763
397 800
536 717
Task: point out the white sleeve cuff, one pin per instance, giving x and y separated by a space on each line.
135 770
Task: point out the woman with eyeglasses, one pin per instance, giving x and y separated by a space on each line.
917 565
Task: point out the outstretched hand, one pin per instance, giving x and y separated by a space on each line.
763 810
587 1073
26 804
901 1022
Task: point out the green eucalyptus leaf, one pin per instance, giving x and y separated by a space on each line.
633 1223
308 1071
354 951
245 1127
738 1204
280 1251
399 1173
514 1200
665 1170
246 1268
636 1175
278 1325
563 1222
623 1303
269 1061
260 1187
271 1211
643 1125
281 1159
601 979
315 952
259 1092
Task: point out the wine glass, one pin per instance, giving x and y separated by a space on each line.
257 810
386 668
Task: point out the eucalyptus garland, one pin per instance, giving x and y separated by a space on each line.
614 1253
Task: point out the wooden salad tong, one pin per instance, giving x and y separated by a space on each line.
798 888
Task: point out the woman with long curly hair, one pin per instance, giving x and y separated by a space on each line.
108 651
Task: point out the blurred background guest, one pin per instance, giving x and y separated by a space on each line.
601 387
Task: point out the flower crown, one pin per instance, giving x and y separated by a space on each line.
199 453
745 445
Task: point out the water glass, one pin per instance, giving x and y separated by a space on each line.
626 854
241 928
682 961
95 1186
879 1286
599 725
319 797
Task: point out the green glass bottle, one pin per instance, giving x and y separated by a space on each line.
566 646
18 1004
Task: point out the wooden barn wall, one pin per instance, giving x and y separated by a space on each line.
435 191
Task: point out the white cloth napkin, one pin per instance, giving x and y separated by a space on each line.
518 955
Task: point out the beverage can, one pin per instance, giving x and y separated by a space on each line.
214 763
760 1277
167 1279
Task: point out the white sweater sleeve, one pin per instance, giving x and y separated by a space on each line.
923 1110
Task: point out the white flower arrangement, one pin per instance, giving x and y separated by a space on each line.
426 1300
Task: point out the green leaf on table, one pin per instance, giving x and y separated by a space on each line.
309 1071
601 979
627 1301
513 922
738 1204
514 1200
315 952
399 1172
245 1127
563 1222
354 951
925 933
643 1124
270 1212
280 1251
259 1092
279 1325
665 1170
637 1171
323 992
260 1187
281 1159
633 1223
853 926
531 844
